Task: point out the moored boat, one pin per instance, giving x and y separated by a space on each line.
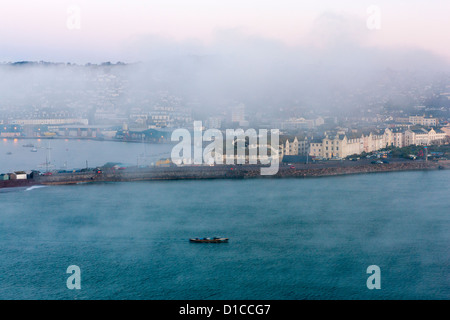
209 240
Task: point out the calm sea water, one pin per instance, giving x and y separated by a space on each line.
289 238
71 154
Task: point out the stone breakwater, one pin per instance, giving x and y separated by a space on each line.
236 172
368 168
363 168
330 168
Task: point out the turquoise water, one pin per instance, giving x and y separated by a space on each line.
289 238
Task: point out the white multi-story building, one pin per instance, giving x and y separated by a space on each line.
423 136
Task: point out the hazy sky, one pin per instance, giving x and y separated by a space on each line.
111 30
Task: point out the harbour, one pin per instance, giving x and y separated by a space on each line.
240 153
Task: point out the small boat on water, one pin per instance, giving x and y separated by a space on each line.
28 145
33 150
209 240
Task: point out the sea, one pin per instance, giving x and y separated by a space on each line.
289 239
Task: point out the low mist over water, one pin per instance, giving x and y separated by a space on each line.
132 130
301 240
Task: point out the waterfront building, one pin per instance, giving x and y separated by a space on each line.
10 131
303 146
424 136
294 147
90 131
147 135
291 148
395 137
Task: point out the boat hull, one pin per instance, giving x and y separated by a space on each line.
216 240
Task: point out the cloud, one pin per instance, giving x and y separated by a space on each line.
333 30
333 63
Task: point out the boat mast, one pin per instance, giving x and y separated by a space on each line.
47 156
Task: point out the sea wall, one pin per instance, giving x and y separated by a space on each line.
235 172
135 174
364 168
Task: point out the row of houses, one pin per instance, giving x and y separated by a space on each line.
341 145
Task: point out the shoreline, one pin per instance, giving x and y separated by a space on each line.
223 172
86 138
